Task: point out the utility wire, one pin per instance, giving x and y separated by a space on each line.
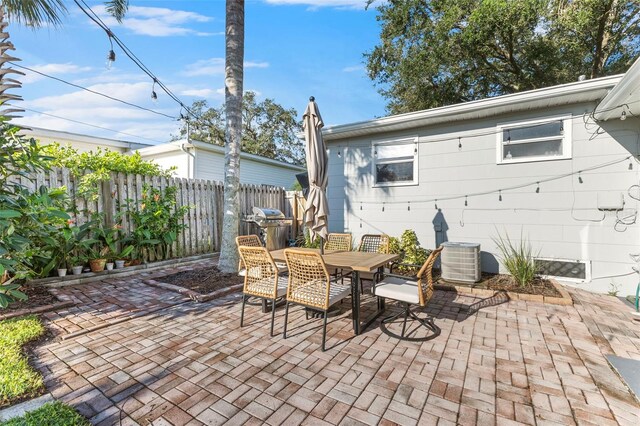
86 9
92 91
91 125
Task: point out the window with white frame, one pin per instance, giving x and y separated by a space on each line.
395 162
539 140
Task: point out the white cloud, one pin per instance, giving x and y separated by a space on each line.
51 69
157 21
315 4
215 66
354 68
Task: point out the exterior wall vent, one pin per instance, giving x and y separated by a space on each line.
461 262
574 270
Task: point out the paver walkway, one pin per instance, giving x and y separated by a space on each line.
511 363
112 300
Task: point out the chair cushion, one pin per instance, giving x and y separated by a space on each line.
398 289
337 292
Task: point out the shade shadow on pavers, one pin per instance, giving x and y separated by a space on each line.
518 361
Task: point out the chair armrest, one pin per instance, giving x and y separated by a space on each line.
381 275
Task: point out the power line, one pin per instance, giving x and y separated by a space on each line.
98 21
92 91
91 125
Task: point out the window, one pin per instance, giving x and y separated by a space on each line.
540 140
570 270
395 162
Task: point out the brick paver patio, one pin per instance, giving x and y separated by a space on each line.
510 363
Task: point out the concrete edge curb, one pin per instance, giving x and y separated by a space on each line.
18 410
37 310
564 300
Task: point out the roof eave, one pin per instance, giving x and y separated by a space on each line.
563 94
623 97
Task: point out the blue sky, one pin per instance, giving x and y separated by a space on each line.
293 49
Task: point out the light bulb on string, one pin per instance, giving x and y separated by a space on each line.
111 56
580 178
436 204
154 95
339 153
360 206
630 163
383 206
623 116
500 195
408 206
538 188
465 201
459 142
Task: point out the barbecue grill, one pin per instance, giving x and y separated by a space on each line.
268 221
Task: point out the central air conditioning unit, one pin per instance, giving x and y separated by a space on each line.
461 262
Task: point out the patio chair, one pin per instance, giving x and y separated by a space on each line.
336 241
409 291
372 243
252 241
261 279
310 285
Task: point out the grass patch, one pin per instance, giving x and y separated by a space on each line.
17 379
50 414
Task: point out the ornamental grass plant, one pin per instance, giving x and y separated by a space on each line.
517 258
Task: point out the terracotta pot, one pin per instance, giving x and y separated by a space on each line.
97 265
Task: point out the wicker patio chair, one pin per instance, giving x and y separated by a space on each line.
372 243
336 241
261 279
253 241
409 291
310 285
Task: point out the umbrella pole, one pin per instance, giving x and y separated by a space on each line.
321 245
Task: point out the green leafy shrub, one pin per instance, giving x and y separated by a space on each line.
410 251
17 378
157 222
50 414
517 258
304 240
100 164
28 219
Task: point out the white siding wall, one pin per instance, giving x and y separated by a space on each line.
210 165
80 146
561 221
178 159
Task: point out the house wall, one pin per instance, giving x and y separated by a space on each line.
178 159
210 165
80 146
561 221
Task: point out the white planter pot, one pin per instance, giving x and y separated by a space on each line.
62 272
109 266
119 264
77 270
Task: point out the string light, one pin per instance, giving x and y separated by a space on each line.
408 206
459 142
154 95
111 56
580 177
361 205
499 194
383 206
630 164
623 116
436 204
339 153
465 201
538 188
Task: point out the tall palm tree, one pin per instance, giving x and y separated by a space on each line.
234 53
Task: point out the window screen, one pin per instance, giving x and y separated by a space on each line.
394 163
537 141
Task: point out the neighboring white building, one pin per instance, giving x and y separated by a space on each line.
193 160
200 160
82 143
535 163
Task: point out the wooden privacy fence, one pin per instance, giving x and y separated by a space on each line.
203 219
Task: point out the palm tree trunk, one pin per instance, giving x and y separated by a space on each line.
233 133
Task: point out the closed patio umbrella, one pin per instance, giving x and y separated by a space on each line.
316 210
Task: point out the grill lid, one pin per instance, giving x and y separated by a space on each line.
261 214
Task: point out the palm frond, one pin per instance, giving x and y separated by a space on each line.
36 13
117 8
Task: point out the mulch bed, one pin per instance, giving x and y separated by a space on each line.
503 282
38 296
203 280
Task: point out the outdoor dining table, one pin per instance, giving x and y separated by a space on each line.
356 261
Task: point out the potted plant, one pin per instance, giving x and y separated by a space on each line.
122 257
77 262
